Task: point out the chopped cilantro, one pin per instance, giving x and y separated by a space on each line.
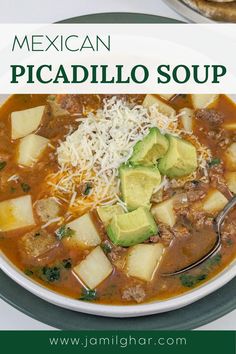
28 272
214 162
25 187
13 189
190 281
64 231
67 263
106 248
87 189
88 295
51 274
229 242
213 261
2 165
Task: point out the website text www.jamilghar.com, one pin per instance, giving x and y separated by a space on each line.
121 341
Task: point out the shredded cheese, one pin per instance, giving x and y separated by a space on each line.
52 221
103 141
13 178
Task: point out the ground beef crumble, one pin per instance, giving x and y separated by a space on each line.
195 190
134 293
211 116
228 230
216 176
196 217
116 252
167 234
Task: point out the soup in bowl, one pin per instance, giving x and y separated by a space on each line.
103 197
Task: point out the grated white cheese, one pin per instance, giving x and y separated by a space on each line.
52 221
103 141
13 178
162 185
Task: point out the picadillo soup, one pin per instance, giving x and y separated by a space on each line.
101 195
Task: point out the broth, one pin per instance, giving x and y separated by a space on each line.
193 233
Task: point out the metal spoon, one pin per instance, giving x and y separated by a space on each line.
217 223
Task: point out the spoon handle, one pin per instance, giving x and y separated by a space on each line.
221 216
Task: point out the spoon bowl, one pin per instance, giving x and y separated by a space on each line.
217 224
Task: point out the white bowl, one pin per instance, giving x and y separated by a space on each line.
117 311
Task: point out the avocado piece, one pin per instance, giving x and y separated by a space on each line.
137 185
132 228
106 213
146 152
180 159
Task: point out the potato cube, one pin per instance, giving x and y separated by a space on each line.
163 108
25 122
106 213
85 232
230 157
186 117
16 213
214 202
143 260
31 148
164 212
203 100
94 268
231 181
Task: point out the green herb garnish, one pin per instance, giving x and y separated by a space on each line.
64 231
212 262
87 189
67 263
13 189
106 248
25 187
190 281
2 165
28 272
88 295
51 274
229 242
214 162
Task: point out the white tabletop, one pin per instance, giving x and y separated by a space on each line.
55 10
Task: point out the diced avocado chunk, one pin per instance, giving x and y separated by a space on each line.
106 213
180 159
137 185
147 151
132 228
